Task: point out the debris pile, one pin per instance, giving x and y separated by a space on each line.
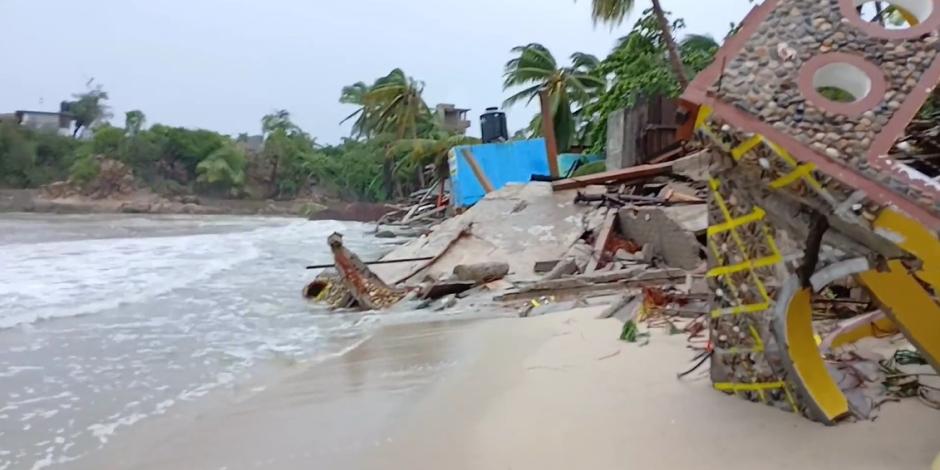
425 208
537 247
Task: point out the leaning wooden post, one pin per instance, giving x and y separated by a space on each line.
548 130
478 171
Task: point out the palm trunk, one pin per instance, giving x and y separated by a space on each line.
275 190
674 56
388 174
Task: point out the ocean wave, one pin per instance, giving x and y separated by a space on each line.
59 279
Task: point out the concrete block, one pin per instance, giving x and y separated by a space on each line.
653 226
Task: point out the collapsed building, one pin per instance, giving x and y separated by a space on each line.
789 199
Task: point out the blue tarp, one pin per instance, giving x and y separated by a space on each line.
509 162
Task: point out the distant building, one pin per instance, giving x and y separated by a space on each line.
251 143
453 118
60 123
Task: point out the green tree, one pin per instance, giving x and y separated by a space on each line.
615 11
223 169
134 122
107 141
351 169
393 105
433 149
89 107
355 94
286 147
17 155
639 66
536 69
397 103
84 170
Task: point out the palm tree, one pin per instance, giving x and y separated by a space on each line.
614 12
397 103
433 149
356 94
536 68
392 105
701 42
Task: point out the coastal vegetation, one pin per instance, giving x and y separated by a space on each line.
396 142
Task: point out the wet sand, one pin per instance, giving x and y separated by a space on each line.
555 392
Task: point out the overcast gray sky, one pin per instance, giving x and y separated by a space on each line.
222 64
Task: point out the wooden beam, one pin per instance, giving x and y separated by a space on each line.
635 173
548 130
600 241
478 171
575 289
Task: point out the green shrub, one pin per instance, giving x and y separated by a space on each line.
84 170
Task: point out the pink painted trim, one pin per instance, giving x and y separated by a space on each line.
697 92
855 108
850 15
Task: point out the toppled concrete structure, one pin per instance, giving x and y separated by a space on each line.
805 192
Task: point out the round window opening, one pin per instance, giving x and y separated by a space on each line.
894 14
842 83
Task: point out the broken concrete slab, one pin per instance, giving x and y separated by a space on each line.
694 166
518 224
671 232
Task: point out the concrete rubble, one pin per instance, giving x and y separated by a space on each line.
528 246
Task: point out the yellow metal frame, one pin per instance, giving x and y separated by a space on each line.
807 360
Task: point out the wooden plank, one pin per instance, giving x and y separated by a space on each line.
442 288
639 172
427 215
478 171
594 289
620 303
415 207
601 241
634 273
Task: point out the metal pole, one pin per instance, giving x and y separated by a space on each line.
370 263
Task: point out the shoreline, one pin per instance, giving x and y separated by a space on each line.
142 202
558 391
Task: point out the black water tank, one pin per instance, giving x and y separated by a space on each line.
493 126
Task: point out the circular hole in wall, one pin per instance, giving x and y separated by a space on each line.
842 82
894 14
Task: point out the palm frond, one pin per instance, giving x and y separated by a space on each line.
612 12
698 42
528 93
584 62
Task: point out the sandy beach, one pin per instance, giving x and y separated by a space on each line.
553 392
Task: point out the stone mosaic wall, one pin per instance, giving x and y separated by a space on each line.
763 80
